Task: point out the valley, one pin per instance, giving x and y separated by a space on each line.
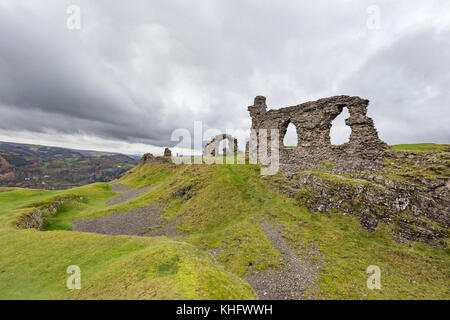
41 167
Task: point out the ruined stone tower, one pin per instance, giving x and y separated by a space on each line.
312 121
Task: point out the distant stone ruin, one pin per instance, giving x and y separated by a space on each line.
212 148
313 121
167 152
150 158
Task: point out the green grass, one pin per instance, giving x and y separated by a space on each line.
222 210
417 165
33 263
422 147
94 198
33 266
231 200
327 165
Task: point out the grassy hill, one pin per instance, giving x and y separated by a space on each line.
41 167
422 147
33 263
212 236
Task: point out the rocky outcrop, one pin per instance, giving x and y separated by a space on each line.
313 121
31 220
150 158
415 200
35 218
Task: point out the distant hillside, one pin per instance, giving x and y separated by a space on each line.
33 166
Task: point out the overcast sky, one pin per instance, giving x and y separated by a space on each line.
137 70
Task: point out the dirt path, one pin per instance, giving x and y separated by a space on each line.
288 283
119 188
136 222
127 193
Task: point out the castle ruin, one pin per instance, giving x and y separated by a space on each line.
313 121
212 148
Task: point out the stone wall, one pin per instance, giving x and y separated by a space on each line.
313 121
212 148
35 218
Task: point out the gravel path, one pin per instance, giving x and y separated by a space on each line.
288 283
127 193
135 222
120 188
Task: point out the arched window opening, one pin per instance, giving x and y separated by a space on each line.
290 139
223 144
340 132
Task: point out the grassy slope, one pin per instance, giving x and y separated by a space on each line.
222 210
422 147
33 263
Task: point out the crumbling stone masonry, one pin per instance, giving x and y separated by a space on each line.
35 218
212 148
167 152
313 121
150 158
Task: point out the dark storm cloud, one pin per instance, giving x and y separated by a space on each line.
408 84
137 72
47 81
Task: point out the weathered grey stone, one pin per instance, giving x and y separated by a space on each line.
212 148
417 206
313 121
167 152
150 158
35 219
